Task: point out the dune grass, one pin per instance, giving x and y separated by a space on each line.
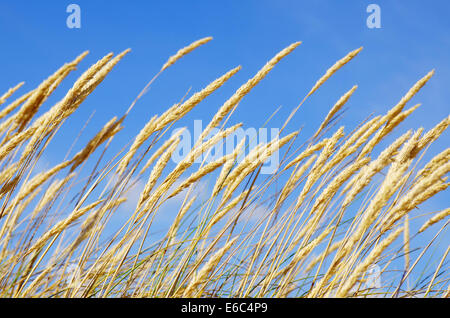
332 210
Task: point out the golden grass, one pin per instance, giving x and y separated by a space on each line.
333 208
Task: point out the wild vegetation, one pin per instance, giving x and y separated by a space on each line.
334 208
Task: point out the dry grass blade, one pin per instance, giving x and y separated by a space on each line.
334 69
10 91
433 220
182 52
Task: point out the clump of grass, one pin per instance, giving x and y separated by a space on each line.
333 209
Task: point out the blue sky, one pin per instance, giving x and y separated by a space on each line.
414 38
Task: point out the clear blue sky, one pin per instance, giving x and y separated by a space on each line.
414 38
